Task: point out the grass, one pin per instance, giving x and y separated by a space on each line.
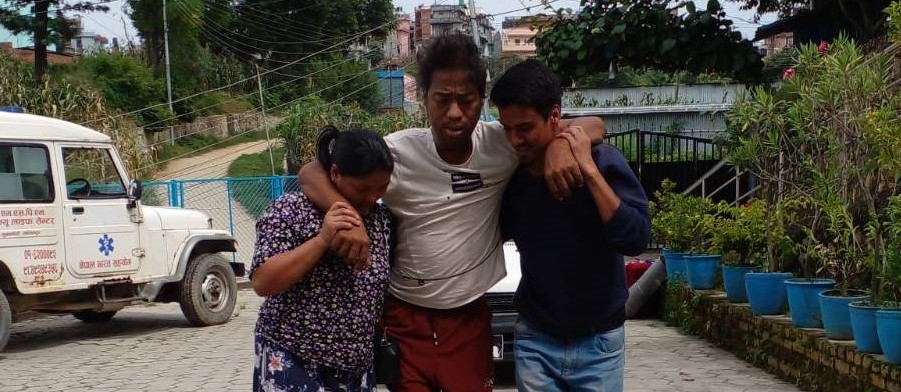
253 165
255 194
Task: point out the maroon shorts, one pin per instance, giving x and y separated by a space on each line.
442 349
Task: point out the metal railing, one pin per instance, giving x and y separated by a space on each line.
233 203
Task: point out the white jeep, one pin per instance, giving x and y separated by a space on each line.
74 237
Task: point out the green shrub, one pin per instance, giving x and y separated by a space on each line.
128 85
72 101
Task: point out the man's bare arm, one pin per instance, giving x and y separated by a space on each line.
350 245
594 126
318 187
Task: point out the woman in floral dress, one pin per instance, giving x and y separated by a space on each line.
315 328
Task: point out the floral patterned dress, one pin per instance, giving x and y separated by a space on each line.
318 334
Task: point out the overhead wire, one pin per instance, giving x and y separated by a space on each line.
188 170
239 81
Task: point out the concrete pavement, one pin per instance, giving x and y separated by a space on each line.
152 348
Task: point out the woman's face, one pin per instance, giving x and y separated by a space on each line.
361 192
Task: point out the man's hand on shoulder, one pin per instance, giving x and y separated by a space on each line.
580 145
561 169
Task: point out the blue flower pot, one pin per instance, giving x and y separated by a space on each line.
702 271
675 266
836 316
888 325
863 324
804 301
734 283
766 292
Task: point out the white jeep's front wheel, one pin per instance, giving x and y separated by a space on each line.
208 291
6 320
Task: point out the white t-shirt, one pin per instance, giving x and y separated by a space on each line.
449 249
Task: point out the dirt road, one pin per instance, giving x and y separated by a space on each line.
214 196
212 164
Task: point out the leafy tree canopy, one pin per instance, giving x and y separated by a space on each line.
45 20
647 34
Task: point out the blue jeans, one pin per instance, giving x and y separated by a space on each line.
546 364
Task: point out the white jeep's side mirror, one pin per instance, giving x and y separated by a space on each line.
135 191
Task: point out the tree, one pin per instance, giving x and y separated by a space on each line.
290 31
128 85
185 50
206 33
647 34
864 15
44 28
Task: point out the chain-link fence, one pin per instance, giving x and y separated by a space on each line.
233 203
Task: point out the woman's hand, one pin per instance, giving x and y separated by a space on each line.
341 216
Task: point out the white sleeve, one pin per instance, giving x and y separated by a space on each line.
497 140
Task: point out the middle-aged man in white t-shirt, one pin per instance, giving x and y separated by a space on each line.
446 192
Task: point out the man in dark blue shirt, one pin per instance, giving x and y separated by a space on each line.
571 299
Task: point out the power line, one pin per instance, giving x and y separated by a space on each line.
187 169
267 25
295 78
349 78
240 81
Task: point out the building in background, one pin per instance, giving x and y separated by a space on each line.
519 41
86 42
21 40
443 18
398 43
778 42
27 54
422 27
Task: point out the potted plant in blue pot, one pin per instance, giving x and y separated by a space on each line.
885 235
766 287
841 248
702 265
739 236
668 214
888 314
804 291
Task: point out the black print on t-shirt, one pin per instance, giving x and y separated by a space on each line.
465 182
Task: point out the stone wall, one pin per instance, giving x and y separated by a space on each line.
221 126
803 356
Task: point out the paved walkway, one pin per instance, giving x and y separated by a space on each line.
152 348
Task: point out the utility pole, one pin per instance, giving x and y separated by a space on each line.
256 63
475 24
168 71
475 36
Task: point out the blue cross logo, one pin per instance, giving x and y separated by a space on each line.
106 244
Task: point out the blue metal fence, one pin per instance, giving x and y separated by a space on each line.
233 203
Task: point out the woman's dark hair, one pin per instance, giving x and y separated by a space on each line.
451 50
357 152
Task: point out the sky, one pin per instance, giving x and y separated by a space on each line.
116 22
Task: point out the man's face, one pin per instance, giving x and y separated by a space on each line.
528 132
453 103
